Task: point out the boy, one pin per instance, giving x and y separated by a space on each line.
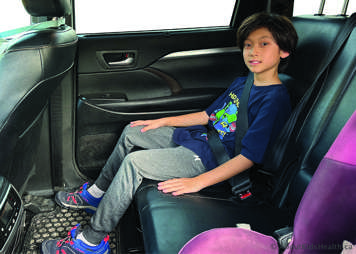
175 150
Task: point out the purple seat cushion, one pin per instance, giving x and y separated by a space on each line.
230 240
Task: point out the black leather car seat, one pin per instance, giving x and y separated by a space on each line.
316 129
33 62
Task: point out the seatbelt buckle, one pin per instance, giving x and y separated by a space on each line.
241 186
283 236
245 194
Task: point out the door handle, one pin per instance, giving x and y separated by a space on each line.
117 59
123 60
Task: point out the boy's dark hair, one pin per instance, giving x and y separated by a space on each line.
279 26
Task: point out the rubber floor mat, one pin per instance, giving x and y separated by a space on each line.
55 225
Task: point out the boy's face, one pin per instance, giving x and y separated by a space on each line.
262 54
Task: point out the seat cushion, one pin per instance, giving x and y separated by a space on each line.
168 222
230 240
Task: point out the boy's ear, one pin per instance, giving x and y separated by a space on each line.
284 54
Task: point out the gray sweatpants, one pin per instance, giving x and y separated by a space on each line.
137 155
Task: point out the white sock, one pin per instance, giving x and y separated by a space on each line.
81 237
95 191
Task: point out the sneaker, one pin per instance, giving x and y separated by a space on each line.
80 199
70 245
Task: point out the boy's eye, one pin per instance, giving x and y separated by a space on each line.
264 43
247 45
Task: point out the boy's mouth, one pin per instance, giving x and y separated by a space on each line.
254 62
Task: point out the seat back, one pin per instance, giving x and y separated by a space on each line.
304 67
316 36
316 128
33 63
332 107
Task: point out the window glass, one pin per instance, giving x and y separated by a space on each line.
352 7
332 7
92 16
13 15
305 7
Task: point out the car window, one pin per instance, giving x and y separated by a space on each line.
138 15
13 15
331 7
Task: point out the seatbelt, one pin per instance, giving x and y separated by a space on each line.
241 182
283 139
242 116
217 147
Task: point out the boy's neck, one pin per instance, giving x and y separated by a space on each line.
266 80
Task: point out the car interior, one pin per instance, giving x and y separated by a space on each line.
66 97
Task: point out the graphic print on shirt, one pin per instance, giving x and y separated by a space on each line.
224 119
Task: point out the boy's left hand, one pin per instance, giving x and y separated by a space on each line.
179 186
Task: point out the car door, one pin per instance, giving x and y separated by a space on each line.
143 74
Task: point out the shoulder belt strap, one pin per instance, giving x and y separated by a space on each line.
242 116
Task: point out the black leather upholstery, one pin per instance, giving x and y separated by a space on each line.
47 8
316 36
327 115
32 65
169 222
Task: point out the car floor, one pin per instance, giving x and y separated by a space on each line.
46 220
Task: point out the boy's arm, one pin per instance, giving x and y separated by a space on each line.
221 173
198 118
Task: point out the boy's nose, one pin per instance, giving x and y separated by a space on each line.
253 51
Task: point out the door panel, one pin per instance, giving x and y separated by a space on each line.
148 47
152 76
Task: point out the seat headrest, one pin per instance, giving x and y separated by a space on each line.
47 8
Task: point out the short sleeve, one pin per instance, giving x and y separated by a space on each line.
272 114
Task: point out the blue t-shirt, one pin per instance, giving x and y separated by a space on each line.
268 109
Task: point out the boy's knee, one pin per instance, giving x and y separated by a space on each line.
134 161
131 131
131 157
138 159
